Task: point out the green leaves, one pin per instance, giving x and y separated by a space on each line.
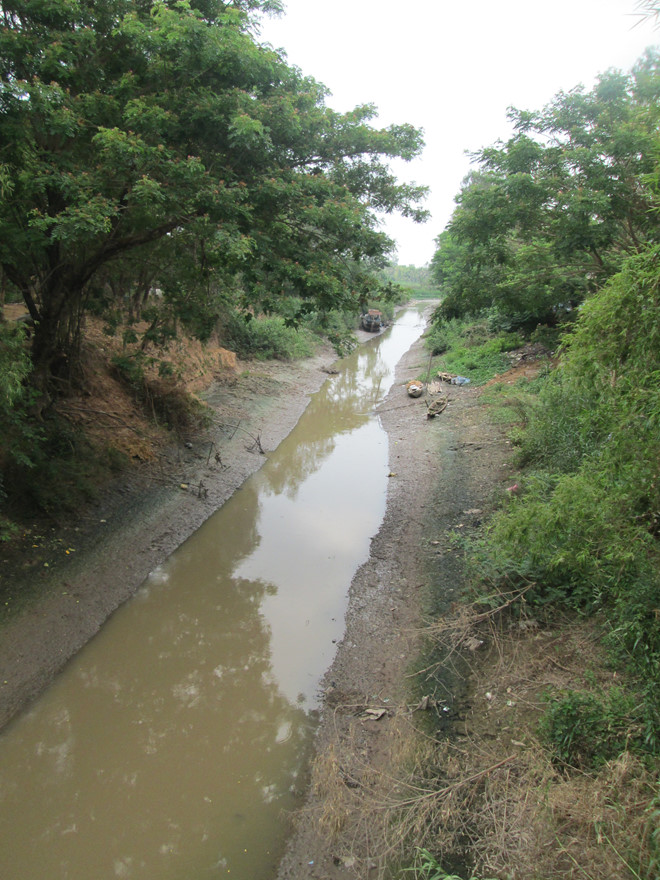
14 366
128 123
586 523
552 213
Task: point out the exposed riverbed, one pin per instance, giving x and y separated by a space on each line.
173 742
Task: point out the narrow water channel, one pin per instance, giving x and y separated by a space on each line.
173 744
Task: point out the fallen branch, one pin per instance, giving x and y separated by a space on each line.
443 792
256 444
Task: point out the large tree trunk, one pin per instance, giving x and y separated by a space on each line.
56 339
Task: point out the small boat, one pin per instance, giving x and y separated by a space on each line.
372 321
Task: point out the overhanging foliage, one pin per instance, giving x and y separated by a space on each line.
162 134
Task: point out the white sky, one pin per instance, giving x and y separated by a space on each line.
452 68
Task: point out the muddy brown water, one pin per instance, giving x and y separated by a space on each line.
174 744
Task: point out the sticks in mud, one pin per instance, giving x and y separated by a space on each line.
255 446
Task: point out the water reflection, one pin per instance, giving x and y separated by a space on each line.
175 740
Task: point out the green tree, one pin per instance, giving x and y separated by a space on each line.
553 212
131 123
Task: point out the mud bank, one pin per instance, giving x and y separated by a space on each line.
140 521
443 474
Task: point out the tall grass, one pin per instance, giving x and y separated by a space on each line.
267 338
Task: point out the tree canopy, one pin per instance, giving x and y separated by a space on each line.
161 134
552 213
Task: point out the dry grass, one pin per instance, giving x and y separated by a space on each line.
490 797
111 414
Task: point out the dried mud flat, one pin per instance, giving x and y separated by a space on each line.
443 472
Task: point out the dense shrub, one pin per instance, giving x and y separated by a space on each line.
586 521
266 338
585 730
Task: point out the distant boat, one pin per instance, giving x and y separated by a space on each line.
372 321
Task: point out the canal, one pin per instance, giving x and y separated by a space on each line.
174 744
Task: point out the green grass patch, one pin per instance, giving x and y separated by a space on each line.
471 349
267 338
585 730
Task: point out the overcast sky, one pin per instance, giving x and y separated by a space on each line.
452 68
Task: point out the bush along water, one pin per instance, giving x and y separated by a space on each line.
586 522
471 349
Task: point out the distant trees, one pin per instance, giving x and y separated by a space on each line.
552 213
418 277
149 143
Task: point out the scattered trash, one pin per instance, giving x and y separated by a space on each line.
435 407
415 388
460 380
372 322
374 714
513 489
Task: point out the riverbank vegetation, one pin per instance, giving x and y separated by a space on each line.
167 174
416 280
552 770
